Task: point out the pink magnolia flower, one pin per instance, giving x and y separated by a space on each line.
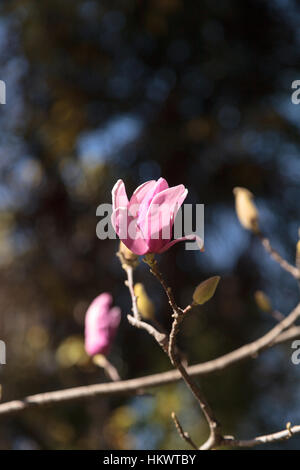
144 224
101 324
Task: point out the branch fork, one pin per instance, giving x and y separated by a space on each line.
216 438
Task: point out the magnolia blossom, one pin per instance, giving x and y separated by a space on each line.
101 324
144 223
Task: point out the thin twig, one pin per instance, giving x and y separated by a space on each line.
178 315
153 265
278 316
214 425
295 272
161 338
130 285
266 439
184 435
135 319
172 338
110 370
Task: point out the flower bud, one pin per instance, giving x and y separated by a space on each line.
99 360
126 256
262 301
206 290
144 304
245 209
101 325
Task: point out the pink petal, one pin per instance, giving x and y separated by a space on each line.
182 239
141 192
161 215
115 317
159 186
128 231
139 195
119 196
169 200
101 303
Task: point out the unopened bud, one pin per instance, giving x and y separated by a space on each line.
99 360
206 290
144 304
126 256
262 301
245 209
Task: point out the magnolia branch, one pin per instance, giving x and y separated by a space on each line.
142 383
229 441
216 439
283 331
168 344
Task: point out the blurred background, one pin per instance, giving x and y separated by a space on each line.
196 92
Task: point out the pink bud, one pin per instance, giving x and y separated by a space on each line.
144 224
101 324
